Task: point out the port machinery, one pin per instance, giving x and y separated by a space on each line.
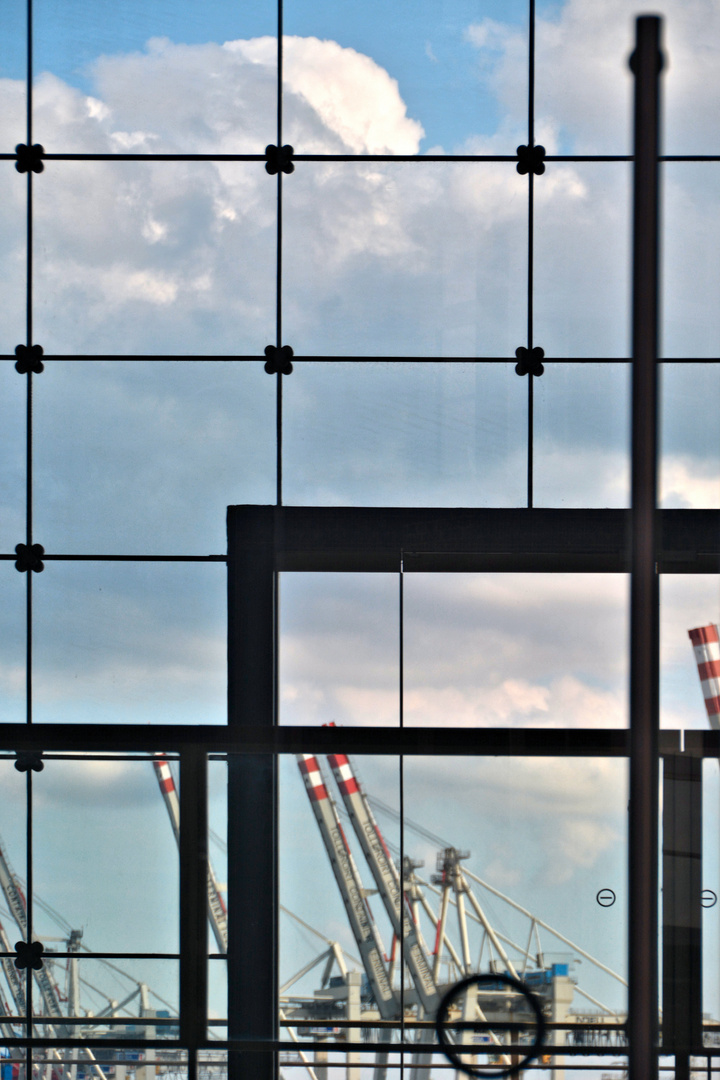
407 983
403 985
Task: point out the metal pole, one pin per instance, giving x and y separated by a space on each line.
643 826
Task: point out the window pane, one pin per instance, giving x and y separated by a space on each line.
156 257
13 391
584 87
144 457
443 63
133 643
154 78
405 260
582 432
356 978
686 603
691 264
582 260
515 650
13 606
690 434
711 891
339 649
527 838
372 434
100 831
13 231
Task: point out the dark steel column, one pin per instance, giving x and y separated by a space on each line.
252 841
193 899
682 909
644 762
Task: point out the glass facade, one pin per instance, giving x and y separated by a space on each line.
319 647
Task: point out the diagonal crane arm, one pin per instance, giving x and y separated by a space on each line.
349 883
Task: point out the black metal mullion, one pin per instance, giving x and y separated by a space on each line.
644 634
530 252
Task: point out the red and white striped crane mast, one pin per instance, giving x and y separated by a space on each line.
16 903
217 912
706 645
350 885
387 880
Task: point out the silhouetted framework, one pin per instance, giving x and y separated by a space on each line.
265 541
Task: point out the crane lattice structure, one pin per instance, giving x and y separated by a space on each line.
422 974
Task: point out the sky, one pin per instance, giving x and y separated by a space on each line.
380 259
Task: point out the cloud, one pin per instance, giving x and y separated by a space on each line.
583 84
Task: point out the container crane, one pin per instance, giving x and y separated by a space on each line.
16 903
217 912
387 880
349 883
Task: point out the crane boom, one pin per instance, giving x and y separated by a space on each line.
349 883
14 981
387 880
16 903
217 912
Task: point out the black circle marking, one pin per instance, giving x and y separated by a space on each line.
450 1049
709 898
606 898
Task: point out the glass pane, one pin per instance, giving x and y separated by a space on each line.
328 914
163 78
690 433
374 434
106 860
144 457
407 77
522 854
13 391
13 924
687 602
515 650
129 1000
13 234
12 641
582 260
405 259
584 87
339 649
582 435
710 894
131 643
217 848
691 264
156 257
217 998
